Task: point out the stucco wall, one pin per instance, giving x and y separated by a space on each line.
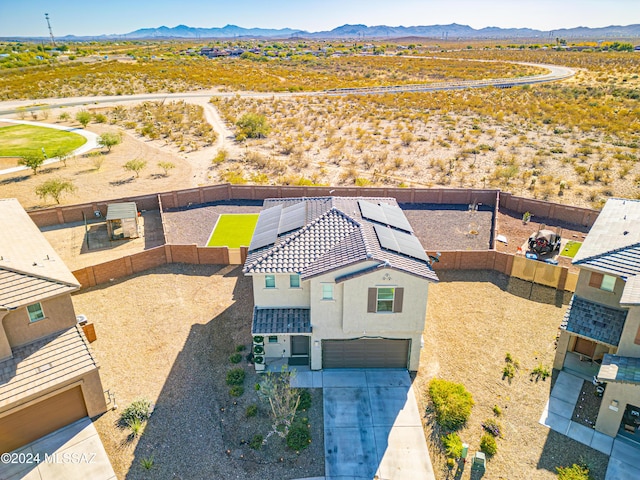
59 315
596 294
280 296
609 420
627 346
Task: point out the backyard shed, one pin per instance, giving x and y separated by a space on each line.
122 220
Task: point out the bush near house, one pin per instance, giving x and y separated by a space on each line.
452 403
574 472
488 444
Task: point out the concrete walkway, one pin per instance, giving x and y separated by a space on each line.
372 425
623 455
90 144
74 452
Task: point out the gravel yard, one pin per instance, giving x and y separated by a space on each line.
174 350
188 225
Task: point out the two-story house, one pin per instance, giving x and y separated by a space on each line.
601 329
48 374
338 282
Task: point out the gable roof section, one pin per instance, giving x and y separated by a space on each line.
613 243
619 369
30 269
335 235
594 321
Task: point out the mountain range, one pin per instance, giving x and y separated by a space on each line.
451 32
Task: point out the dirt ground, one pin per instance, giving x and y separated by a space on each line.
174 350
473 320
70 241
511 226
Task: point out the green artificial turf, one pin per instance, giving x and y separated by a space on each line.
233 230
571 249
21 140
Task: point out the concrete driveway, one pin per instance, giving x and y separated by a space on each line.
372 426
74 452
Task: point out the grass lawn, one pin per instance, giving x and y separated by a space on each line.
233 230
571 249
21 140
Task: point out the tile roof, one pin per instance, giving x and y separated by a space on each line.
30 269
334 235
613 243
595 321
280 320
616 368
47 362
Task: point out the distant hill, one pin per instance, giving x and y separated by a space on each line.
358 31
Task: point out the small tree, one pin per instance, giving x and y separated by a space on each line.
283 400
33 161
109 139
166 166
54 188
83 117
252 125
135 166
62 155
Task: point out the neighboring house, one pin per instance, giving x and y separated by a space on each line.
48 375
338 282
601 332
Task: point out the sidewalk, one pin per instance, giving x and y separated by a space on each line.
623 455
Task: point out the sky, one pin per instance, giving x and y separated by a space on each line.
91 17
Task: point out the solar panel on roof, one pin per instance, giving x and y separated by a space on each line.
400 242
292 217
372 211
385 214
395 217
266 231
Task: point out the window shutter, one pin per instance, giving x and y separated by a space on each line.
397 301
596 279
373 300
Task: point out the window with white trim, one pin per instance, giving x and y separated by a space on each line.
294 281
269 281
385 300
35 312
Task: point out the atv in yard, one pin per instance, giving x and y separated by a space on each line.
544 241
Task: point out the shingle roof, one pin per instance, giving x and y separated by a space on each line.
595 321
30 269
613 243
616 368
280 320
335 235
44 363
631 292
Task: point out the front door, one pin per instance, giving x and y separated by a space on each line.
299 350
630 425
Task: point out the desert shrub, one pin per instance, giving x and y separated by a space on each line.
256 441
236 391
235 376
492 427
298 437
305 400
251 411
139 409
540 372
252 125
220 157
488 444
452 403
574 472
235 358
240 348
136 426
497 411
452 445
508 371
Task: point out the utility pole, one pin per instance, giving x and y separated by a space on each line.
53 41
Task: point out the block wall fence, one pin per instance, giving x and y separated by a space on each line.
508 264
